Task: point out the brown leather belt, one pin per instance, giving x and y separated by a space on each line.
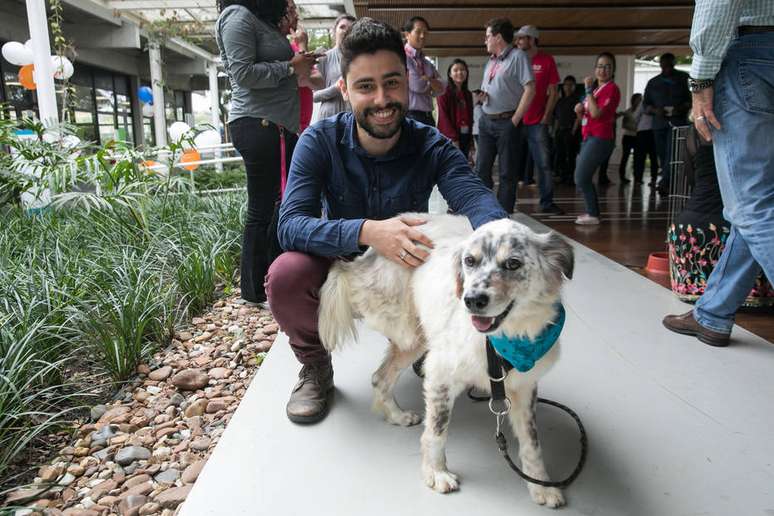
500 116
754 29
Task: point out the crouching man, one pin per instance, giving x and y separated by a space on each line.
351 175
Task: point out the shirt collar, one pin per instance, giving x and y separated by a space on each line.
503 54
412 52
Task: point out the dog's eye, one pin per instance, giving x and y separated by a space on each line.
469 261
513 264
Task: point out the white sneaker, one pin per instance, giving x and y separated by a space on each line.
587 220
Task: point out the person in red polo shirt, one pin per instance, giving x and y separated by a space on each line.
540 113
597 113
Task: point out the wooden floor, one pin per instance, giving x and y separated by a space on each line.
634 225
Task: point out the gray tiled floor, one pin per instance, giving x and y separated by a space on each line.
675 427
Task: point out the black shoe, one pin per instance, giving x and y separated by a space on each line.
310 399
553 210
625 181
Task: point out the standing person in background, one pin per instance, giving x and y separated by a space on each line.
299 42
534 132
668 99
477 112
733 106
629 140
263 73
507 87
424 80
568 134
597 113
646 147
327 91
455 107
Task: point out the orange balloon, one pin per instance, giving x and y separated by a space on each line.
188 156
25 76
148 164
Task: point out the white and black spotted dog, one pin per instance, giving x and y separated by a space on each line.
501 279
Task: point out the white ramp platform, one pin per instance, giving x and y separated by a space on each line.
675 427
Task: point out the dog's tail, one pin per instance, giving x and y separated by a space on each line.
337 318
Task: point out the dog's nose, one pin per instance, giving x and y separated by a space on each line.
476 301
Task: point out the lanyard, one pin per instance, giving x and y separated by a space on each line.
418 61
496 66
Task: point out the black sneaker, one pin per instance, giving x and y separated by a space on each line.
553 210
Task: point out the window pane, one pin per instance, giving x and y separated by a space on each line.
107 133
84 117
105 119
105 100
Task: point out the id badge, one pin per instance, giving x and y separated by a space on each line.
584 121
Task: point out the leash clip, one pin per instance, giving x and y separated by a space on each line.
506 407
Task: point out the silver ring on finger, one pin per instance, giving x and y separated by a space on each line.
701 117
402 254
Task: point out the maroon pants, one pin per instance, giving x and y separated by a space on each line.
293 288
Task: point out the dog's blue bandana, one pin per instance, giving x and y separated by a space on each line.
522 352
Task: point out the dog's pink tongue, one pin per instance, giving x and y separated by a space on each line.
482 323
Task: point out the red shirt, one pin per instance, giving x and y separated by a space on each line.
544 70
305 98
455 113
608 96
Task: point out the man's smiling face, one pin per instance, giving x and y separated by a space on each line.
376 87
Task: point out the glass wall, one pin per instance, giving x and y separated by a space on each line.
101 107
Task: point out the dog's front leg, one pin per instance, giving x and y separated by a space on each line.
522 417
439 401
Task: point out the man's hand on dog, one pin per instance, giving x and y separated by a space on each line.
397 239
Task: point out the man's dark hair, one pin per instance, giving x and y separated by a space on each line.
368 36
570 78
409 25
667 57
341 17
270 11
503 27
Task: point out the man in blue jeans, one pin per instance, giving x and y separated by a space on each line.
733 105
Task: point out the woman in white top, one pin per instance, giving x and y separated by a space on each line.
326 78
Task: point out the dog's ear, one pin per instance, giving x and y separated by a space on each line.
457 269
559 254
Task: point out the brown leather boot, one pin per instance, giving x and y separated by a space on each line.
310 397
685 324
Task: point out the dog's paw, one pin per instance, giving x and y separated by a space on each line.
548 496
442 481
405 418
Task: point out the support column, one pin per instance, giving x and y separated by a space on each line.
212 68
138 127
44 72
157 82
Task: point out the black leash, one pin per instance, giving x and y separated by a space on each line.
498 369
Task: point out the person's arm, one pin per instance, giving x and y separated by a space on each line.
463 190
238 39
300 226
332 92
524 102
713 27
445 123
316 81
437 84
553 98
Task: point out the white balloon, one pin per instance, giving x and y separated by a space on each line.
177 130
207 138
17 54
147 110
63 68
28 45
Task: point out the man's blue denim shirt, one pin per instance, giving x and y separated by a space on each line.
332 174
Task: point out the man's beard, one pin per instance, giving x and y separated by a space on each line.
382 132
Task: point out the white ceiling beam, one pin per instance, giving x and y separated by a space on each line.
140 5
97 9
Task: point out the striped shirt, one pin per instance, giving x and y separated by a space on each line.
714 26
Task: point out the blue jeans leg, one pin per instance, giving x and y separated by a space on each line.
537 140
594 151
744 157
486 152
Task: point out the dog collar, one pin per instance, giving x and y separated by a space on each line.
522 352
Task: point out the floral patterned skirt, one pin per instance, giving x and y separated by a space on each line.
693 253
